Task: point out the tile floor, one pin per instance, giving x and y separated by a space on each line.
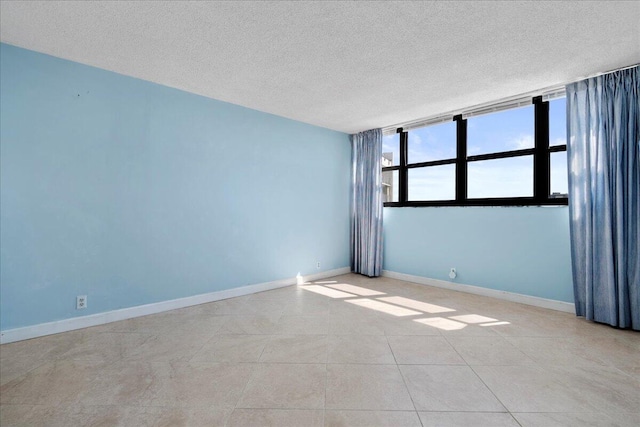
346 351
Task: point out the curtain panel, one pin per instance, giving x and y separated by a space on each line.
603 145
366 203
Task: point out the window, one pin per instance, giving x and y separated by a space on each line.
432 183
558 146
513 157
390 168
431 159
510 177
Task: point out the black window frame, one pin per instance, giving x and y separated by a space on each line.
541 153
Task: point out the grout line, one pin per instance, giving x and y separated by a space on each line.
492 392
515 419
403 380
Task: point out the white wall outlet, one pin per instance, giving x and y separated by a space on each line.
318 265
453 273
81 302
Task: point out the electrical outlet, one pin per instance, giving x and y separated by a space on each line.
81 302
318 265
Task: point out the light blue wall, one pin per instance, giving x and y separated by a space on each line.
133 193
525 250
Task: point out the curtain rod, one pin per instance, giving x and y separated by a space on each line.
547 93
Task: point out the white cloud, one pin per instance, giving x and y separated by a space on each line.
522 142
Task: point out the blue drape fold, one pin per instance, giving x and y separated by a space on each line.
603 121
366 203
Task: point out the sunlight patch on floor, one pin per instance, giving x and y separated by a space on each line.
356 290
473 318
385 308
331 293
495 323
418 305
442 323
399 306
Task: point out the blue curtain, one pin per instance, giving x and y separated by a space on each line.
366 203
603 144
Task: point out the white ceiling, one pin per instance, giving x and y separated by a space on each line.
348 66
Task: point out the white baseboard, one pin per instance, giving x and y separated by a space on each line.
477 290
27 332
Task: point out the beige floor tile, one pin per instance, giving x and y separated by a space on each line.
630 419
307 307
252 325
302 325
78 415
558 350
125 383
451 327
407 326
55 382
532 389
212 385
39 416
276 418
528 325
423 350
264 307
18 358
368 387
354 325
231 306
167 348
295 349
286 293
342 309
106 347
567 324
359 349
633 371
448 388
606 389
465 419
493 350
618 349
291 386
372 418
582 419
16 367
186 321
232 348
49 347
167 417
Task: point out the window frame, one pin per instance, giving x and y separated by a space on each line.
541 153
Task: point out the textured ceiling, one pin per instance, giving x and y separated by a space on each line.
348 66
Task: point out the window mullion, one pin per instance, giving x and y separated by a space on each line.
403 173
461 159
541 158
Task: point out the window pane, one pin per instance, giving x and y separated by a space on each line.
437 142
390 186
558 121
432 183
391 150
511 177
504 131
559 184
